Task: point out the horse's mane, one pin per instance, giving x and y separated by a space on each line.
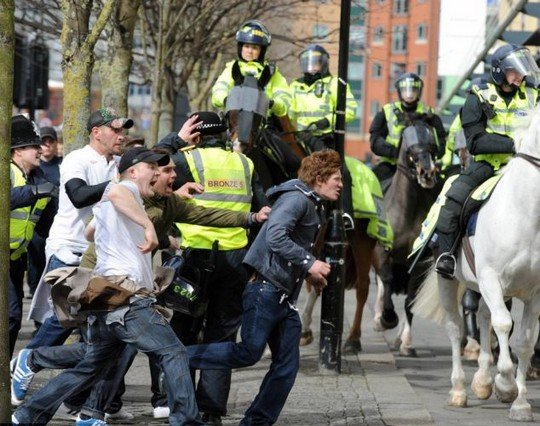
527 137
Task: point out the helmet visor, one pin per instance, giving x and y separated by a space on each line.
522 62
409 89
313 62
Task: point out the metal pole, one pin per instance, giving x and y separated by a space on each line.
334 247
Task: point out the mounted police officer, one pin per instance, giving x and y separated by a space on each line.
389 123
253 40
313 107
314 98
490 116
29 196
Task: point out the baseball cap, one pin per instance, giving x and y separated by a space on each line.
24 132
48 132
141 154
212 124
108 117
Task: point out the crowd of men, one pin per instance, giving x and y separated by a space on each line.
192 193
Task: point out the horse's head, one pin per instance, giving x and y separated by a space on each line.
246 107
417 154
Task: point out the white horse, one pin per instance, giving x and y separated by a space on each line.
507 261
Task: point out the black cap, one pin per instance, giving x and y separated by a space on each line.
212 124
24 132
108 117
48 132
140 154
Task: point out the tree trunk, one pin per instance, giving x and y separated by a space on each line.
7 47
115 67
77 64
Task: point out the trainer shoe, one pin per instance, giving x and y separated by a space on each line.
120 416
161 412
22 377
66 413
89 422
212 419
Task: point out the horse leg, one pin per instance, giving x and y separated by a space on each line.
471 348
505 383
307 316
352 344
448 294
521 410
534 369
482 384
389 318
406 349
379 304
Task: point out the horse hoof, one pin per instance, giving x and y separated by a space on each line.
352 347
533 373
505 394
481 390
457 399
389 319
521 413
306 338
409 352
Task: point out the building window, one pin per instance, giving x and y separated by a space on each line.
440 89
401 7
378 34
320 31
421 69
374 108
399 38
396 69
376 70
421 32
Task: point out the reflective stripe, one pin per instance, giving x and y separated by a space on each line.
17 214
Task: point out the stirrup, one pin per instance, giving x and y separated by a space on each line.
348 222
445 273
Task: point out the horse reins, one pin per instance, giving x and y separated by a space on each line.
535 161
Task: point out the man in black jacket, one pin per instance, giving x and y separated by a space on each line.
279 260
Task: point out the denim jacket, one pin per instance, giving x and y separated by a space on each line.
282 251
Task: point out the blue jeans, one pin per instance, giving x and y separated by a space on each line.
15 298
265 320
146 329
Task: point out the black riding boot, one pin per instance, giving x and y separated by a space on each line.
446 262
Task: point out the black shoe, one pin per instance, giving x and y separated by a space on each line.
446 265
212 419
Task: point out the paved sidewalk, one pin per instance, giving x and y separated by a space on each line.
370 390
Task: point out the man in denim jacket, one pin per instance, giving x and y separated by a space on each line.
279 259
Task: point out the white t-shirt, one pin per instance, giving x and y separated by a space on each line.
117 238
67 231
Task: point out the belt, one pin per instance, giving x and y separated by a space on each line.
256 277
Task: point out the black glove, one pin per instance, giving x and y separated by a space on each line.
46 189
270 103
322 124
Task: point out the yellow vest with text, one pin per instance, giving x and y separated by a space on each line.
396 125
23 220
226 178
314 102
507 117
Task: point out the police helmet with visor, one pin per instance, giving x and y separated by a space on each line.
409 87
511 57
253 32
314 60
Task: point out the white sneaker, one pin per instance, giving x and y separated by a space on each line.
161 412
119 416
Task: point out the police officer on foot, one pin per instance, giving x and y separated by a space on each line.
490 116
388 124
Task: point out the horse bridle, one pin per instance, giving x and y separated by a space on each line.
535 161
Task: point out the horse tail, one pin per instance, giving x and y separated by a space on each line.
427 303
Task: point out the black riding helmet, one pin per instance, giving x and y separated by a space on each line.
409 87
253 32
